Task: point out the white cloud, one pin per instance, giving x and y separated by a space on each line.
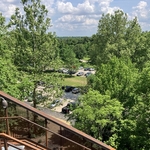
49 6
100 1
141 10
3 7
8 6
11 10
105 3
71 19
105 6
86 7
141 5
7 9
77 19
10 1
85 14
65 7
90 22
81 8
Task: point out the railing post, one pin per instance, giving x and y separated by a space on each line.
5 144
0 143
27 114
61 147
7 122
46 134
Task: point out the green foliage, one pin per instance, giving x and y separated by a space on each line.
117 78
9 75
116 36
80 51
118 48
142 53
134 131
4 39
79 45
69 58
97 115
34 46
143 82
121 80
35 49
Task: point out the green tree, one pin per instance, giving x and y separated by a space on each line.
80 51
142 109
35 48
79 45
142 54
116 36
3 35
9 77
98 116
122 81
8 72
118 77
135 129
69 58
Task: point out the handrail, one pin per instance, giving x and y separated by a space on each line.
3 135
46 129
56 121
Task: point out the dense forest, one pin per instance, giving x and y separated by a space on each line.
115 107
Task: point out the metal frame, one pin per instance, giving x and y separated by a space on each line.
57 122
46 129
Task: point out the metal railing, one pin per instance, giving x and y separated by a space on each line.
46 130
59 135
5 138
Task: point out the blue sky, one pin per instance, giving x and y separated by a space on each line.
80 17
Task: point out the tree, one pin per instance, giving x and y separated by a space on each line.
35 47
69 58
116 36
122 81
98 115
9 77
80 51
118 77
134 132
3 31
142 54
8 72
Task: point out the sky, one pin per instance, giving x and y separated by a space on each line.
80 17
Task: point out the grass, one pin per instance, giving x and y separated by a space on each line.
75 81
